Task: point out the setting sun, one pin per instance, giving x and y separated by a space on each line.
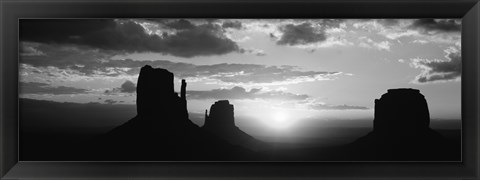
280 120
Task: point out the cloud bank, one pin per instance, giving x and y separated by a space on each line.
430 26
130 36
437 70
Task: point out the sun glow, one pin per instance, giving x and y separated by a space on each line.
280 120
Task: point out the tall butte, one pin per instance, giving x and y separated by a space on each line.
161 124
156 97
401 131
162 130
401 112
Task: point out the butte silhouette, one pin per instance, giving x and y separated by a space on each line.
221 122
162 130
401 131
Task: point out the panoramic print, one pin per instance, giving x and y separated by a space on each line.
240 90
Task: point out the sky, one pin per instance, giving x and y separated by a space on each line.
278 73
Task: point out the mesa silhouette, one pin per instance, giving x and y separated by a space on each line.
162 130
401 132
221 122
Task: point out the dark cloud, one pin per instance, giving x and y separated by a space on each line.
433 25
204 40
255 52
110 101
332 23
30 50
300 35
440 70
232 24
384 22
128 36
180 24
388 22
126 87
44 88
241 93
272 36
336 107
323 23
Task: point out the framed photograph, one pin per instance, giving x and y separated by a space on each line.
240 89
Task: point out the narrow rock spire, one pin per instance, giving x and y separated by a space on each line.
183 90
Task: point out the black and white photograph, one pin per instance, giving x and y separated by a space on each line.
249 90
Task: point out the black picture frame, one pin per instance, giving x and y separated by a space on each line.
11 11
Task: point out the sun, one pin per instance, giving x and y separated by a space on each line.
280 120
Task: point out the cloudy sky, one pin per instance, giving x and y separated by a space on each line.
275 72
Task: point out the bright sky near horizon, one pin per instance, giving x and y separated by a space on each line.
277 71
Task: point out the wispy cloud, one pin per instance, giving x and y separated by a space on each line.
366 42
44 88
445 31
302 101
337 107
315 104
241 93
420 41
73 61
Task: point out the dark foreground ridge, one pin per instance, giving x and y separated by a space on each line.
161 130
402 133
